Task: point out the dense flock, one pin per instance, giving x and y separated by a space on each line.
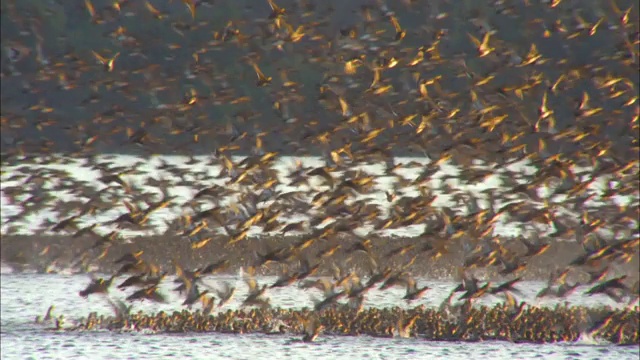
519 116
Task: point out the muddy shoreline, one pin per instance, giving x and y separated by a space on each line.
55 253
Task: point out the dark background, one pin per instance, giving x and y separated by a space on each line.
123 98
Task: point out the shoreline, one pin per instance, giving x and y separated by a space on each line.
50 254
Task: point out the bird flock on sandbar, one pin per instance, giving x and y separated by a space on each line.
473 96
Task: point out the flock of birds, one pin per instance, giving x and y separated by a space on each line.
474 323
376 97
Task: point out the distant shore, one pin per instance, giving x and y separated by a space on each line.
59 253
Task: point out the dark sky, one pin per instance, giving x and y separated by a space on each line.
55 95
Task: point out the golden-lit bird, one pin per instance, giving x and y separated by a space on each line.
533 57
97 286
312 328
483 47
155 12
262 80
108 63
400 33
191 5
276 12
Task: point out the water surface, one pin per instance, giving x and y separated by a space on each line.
24 296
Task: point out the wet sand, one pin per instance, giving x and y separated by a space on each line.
30 253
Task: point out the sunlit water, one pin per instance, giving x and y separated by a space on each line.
200 175
25 296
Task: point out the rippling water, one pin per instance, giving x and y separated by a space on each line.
25 296
222 346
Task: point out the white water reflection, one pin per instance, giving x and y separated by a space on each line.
74 171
